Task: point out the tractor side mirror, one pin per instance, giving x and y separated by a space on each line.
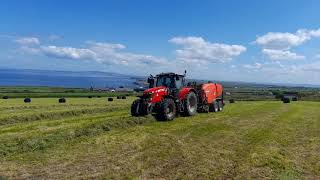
151 82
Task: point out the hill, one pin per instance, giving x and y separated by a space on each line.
85 79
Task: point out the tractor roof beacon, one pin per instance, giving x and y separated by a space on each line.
168 96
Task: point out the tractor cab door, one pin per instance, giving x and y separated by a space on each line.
179 82
177 85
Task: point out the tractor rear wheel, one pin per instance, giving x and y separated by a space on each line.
214 107
135 108
190 104
167 110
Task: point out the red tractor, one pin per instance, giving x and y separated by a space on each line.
168 95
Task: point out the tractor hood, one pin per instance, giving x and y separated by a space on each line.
155 90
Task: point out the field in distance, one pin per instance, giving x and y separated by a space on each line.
90 138
45 92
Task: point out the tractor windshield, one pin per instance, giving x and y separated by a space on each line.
167 81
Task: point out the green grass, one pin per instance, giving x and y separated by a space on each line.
93 138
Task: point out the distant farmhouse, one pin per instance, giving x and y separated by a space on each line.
110 89
123 89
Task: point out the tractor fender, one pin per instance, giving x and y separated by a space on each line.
184 91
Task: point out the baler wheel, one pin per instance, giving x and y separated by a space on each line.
214 107
220 106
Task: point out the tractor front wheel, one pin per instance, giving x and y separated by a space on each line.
135 108
167 110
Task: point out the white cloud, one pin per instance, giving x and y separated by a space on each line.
26 41
312 67
315 33
67 52
30 50
281 54
196 49
277 45
282 41
106 53
253 66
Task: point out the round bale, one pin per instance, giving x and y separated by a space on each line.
232 101
89 97
110 99
5 97
286 100
62 100
118 97
124 97
27 100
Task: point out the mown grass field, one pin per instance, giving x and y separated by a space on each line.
93 138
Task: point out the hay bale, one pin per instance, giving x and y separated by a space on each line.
285 100
123 97
110 99
118 97
98 96
62 100
27 100
232 101
5 97
89 97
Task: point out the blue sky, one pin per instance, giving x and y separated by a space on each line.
256 41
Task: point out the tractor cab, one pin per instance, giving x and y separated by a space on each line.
168 80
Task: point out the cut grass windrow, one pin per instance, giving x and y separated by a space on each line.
5 109
55 115
42 142
49 125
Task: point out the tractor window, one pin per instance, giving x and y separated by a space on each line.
166 81
179 83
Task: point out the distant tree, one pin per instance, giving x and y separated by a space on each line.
278 94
